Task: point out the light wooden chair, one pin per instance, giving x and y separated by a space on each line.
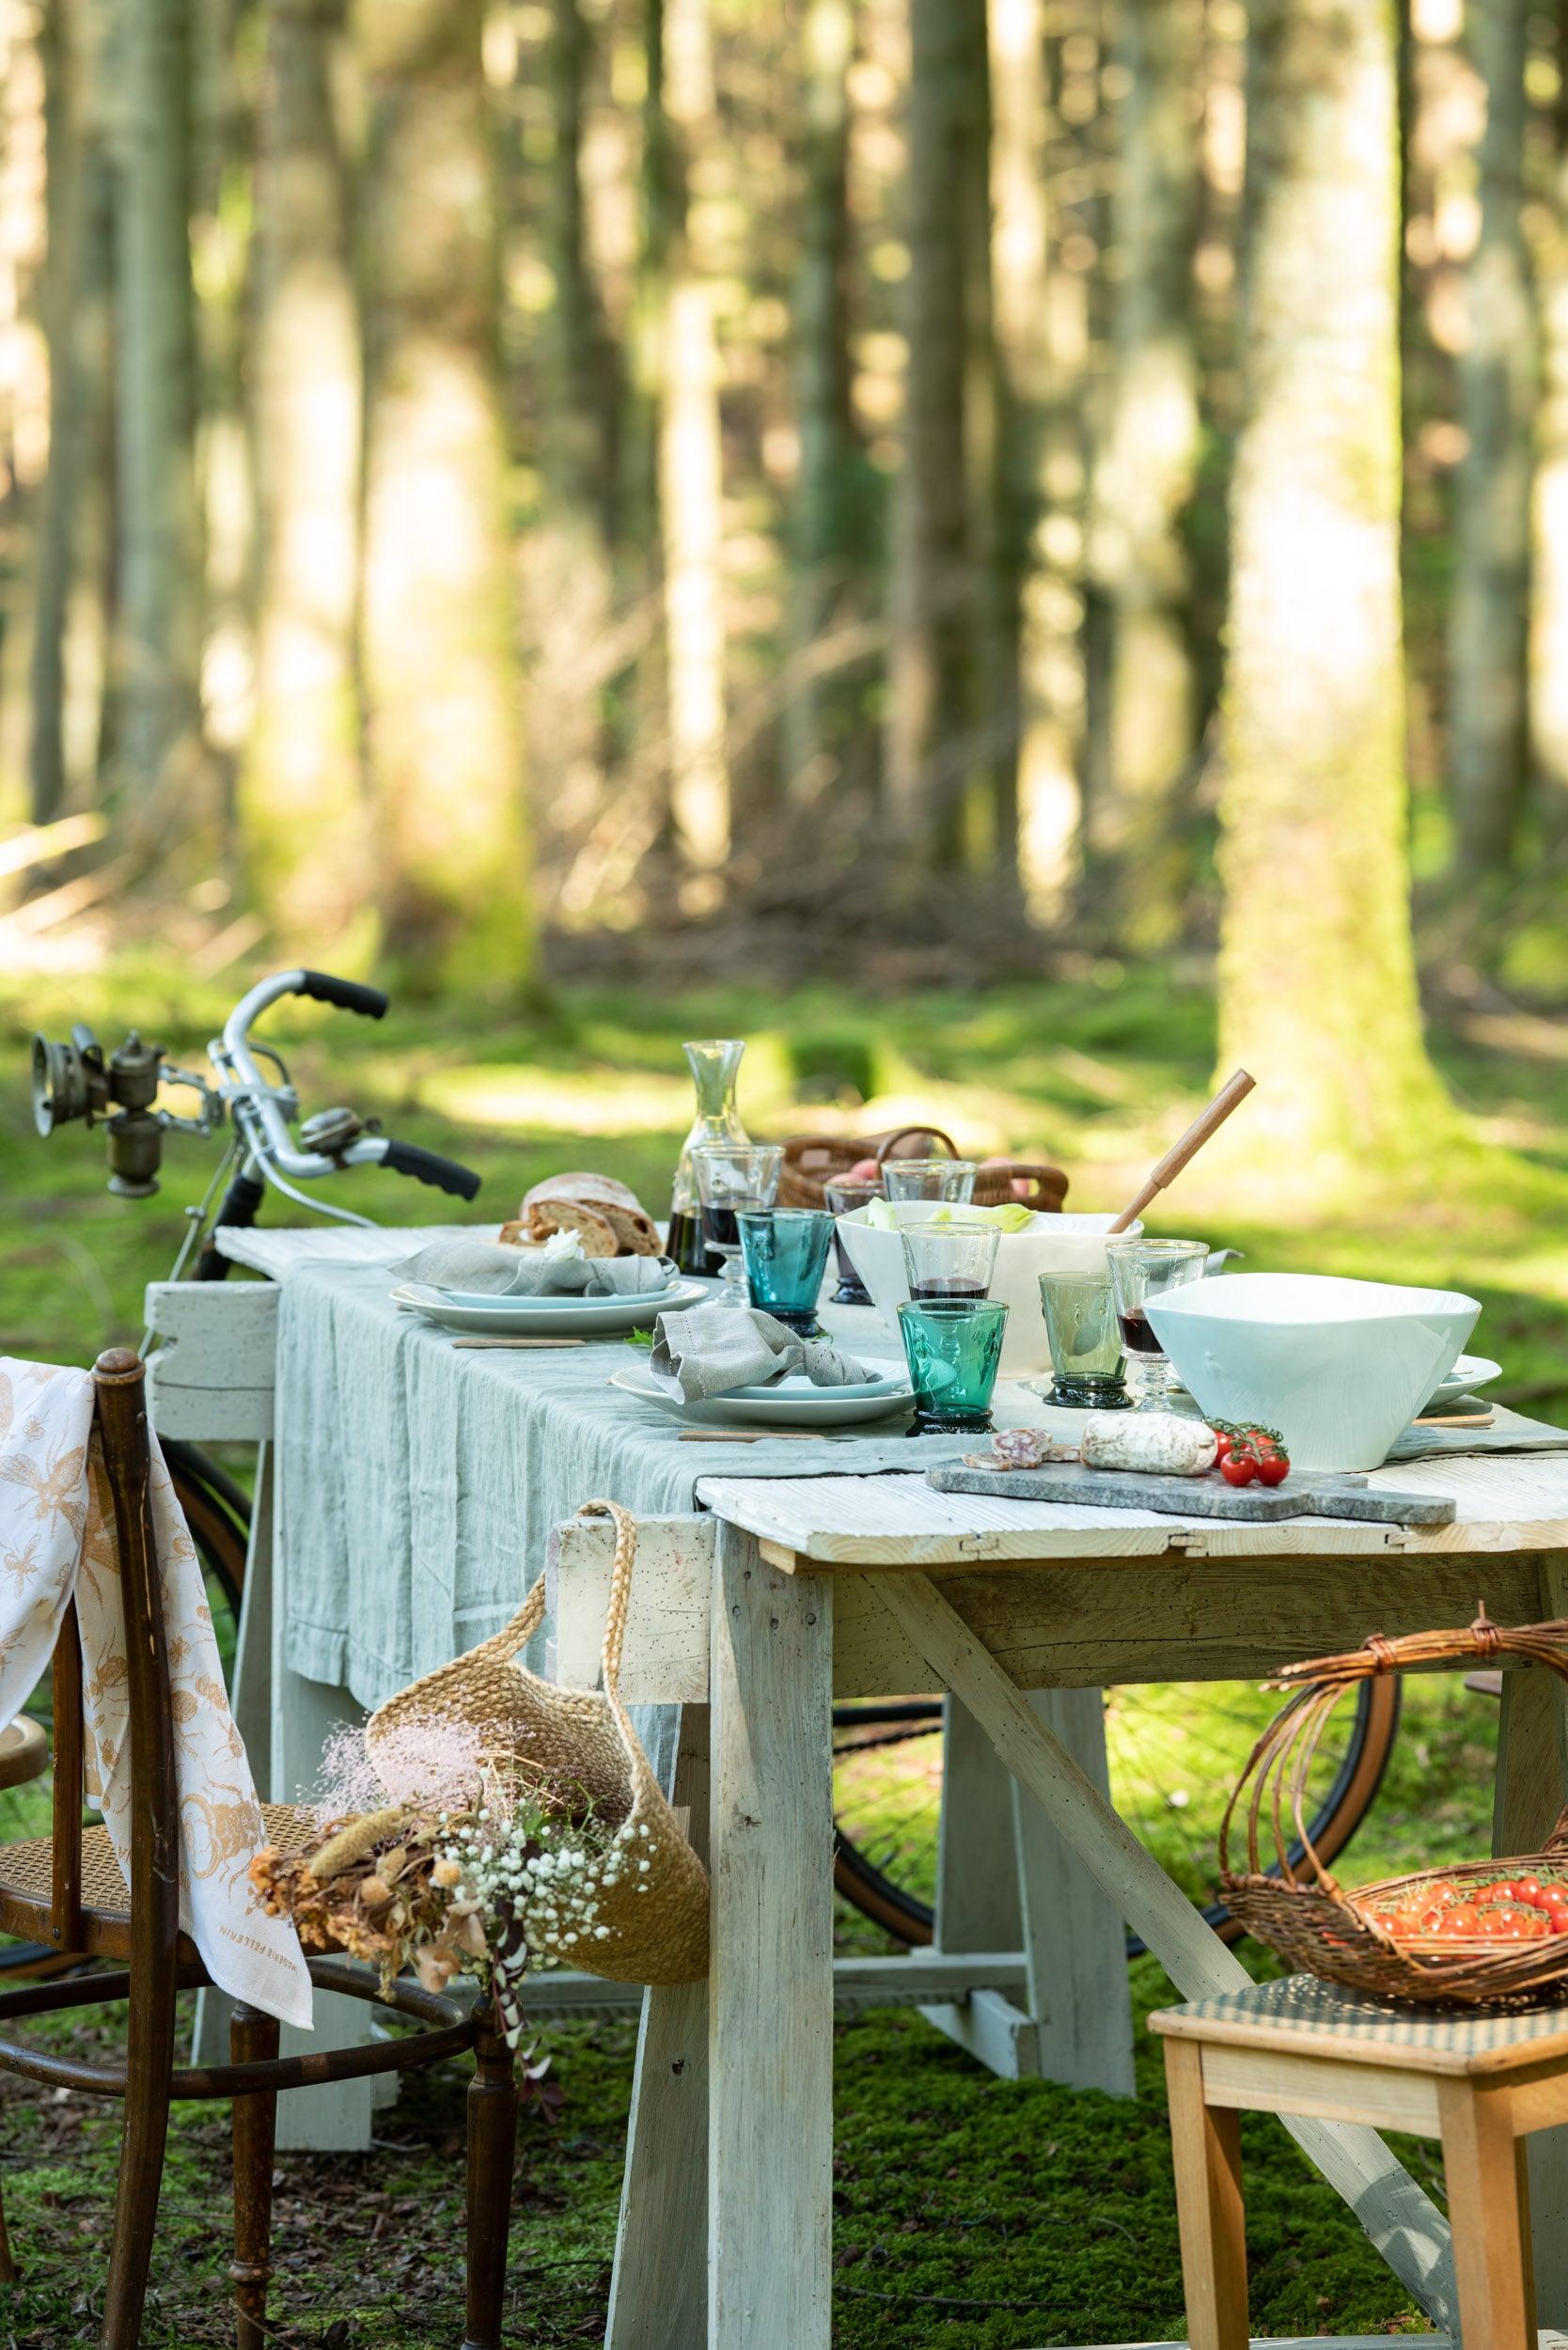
1479 2083
66 1891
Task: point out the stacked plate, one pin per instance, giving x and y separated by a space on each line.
788 1403
471 1313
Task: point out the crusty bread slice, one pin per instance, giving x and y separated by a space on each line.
593 1230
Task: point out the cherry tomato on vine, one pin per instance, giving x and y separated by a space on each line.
1239 1468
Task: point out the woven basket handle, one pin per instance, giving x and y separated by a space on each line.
885 1149
621 1587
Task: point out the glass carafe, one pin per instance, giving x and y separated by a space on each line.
716 1065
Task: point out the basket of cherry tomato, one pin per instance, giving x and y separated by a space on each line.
1478 1933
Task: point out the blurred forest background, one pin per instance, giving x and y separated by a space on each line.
934 487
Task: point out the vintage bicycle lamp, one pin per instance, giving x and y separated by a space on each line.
75 1079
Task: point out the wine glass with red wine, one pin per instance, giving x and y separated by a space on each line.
728 1180
1141 1269
951 1260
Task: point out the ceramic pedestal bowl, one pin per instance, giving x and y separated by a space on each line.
1052 1243
1338 1367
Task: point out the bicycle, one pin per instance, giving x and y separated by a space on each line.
886 1812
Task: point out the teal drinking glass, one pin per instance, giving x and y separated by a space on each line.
952 1347
786 1255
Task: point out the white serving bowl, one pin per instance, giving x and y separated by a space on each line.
1338 1367
1052 1243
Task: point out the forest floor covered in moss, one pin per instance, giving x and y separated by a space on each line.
970 2212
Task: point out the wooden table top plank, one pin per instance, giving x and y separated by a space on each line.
1506 1502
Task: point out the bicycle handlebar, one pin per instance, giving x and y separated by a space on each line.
347 994
429 1167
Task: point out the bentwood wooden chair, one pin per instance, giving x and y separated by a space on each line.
66 1891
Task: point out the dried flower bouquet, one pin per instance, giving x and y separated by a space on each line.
449 1853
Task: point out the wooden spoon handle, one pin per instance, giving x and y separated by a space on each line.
1236 1090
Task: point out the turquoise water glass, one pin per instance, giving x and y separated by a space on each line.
952 1347
786 1255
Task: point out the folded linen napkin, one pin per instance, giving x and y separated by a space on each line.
712 1350
60 1541
554 1271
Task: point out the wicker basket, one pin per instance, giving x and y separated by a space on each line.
657 1917
1303 1912
812 1160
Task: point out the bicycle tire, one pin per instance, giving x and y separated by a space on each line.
911 1920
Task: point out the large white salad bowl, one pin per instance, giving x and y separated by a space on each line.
1338 1367
1051 1243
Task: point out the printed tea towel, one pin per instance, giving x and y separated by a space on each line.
58 1536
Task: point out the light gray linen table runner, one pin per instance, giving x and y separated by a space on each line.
418 1482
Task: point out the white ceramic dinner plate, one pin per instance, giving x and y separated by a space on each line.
547 1317
793 1402
1468 1373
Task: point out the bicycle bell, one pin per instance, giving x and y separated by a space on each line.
330 1131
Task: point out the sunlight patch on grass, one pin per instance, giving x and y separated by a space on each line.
513 1098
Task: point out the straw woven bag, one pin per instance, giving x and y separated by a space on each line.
658 1917
1299 1907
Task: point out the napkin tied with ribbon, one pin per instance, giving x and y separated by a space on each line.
487 1268
59 1541
712 1350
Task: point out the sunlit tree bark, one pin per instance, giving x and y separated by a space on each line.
159 608
821 521
1041 698
1489 614
932 589
690 459
68 583
1548 649
1317 972
1145 474
438 640
302 809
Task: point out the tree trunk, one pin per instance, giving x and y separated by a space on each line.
1041 699
1489 616
157 699
821 522
1146 472
691 467
931 594
1548 649
302 810
67 673
582 420
438 640
1317 970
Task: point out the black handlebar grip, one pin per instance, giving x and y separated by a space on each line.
347 994
429 1167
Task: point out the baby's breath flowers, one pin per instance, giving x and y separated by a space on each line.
537 1879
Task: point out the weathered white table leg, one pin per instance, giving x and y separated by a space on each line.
250 1698
1531 1784
1005 1877
770 2050
659 2293
1404 2225
335 2118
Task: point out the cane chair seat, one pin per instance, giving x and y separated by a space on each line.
26 1881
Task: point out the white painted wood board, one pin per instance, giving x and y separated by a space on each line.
212 1376
1505 1502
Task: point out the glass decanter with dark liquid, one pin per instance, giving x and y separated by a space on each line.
714 1063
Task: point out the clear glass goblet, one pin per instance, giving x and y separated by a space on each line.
727 1180
1141 1269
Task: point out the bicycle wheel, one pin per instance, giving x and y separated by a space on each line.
1174 1751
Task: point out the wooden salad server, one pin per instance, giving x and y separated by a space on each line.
1236 1090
